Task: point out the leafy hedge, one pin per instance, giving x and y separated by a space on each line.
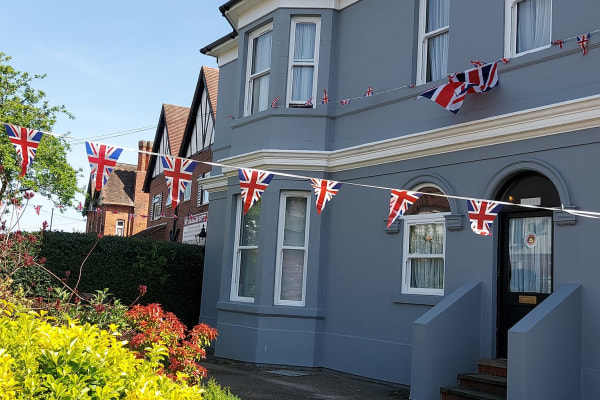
172 272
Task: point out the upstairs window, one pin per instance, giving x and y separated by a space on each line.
434 27
120 227
156 207
304 54
528 26
259 70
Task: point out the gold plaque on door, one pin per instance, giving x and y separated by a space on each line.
527 300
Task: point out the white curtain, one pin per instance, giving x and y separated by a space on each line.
304 52
533 24
530 252
426 272
261 62
438 16
294 235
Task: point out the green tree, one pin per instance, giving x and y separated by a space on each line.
20 104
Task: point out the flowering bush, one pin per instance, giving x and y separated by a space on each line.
151 325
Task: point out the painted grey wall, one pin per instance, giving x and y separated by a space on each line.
356 320
545 347
455 320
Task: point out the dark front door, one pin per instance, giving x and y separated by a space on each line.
525 268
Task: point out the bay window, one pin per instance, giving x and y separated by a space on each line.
303 60
243 280
258 70
434 27
292 247
528 26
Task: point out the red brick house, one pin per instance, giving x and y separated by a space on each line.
169 132
118 207
198 137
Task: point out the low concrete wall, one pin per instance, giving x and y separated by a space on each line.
544 349
446 342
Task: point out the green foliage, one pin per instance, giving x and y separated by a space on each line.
172 272
39 359
214 391
20 104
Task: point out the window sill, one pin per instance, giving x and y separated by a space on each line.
271 311
422 299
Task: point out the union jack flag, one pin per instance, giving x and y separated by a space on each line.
482 214
582 41
37 209
325 99
114 212
98 210
143 216
131 216
253 183
452 94
25 142
477 63
274 102
102 160
558 42
324 191
178 173
309 102
79 207
369 92
163 214
175 216
190 215
345 102
399 203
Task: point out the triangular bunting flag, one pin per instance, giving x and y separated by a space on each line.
252 183
324 191
369 92
37 209
178 173
25 142
582 41
102 160
80 207
399 203
325 99
482 214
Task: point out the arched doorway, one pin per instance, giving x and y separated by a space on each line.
525 250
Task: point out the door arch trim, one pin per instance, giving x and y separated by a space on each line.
494 185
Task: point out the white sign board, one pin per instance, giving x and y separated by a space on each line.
192 226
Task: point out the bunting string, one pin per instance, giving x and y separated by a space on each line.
228 167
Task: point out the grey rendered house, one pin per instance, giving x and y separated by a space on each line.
425 298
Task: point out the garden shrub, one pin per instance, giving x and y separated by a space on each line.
172 272
151 325
75 361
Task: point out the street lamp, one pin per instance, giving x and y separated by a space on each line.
201 237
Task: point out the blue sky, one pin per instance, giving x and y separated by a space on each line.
112 64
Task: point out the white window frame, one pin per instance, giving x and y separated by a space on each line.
120 227
156 206
187 194
510 30
235 271
249 77
419 219
314 63
281 247
424 42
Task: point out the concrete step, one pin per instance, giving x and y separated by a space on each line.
468 394
483 382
